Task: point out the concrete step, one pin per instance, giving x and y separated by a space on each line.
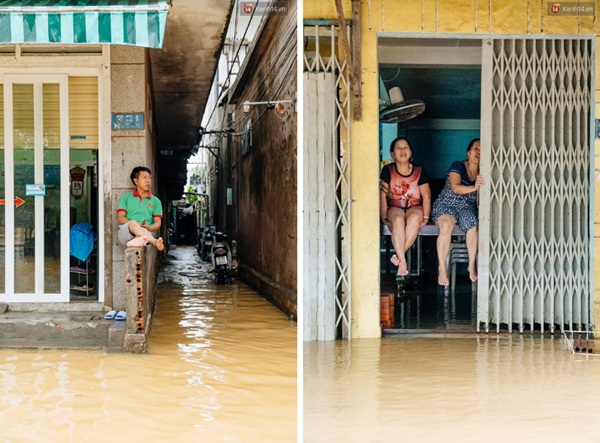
60 330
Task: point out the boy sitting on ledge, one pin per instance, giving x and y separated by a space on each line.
139 213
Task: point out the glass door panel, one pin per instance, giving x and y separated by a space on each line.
34 251
52 213
83 168
24 173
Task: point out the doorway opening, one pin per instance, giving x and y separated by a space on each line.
49 163
445 74
530 101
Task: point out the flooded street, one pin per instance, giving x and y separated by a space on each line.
221 367
455 388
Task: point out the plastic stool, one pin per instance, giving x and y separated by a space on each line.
458 254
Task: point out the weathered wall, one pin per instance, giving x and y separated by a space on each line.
130 148
262 217
420 17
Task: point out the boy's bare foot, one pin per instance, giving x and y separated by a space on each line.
137 242
158 242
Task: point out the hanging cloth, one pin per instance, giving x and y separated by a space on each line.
82 240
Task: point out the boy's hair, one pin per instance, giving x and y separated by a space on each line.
136 172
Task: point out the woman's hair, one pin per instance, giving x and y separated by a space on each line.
471 143
396 140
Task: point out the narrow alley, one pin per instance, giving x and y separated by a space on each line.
221 366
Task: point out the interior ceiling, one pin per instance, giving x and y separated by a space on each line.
182 73
445 73
449 92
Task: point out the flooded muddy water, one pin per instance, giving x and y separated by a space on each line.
221 367
452 388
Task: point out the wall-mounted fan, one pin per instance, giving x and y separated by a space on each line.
400 110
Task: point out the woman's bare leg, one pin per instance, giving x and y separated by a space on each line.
472 245
397 218
414 217
446 225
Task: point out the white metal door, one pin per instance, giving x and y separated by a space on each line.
319 207
35 178
534 255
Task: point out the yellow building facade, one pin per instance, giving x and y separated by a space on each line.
441 18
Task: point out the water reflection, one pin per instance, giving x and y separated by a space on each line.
221 367
420 304
450 388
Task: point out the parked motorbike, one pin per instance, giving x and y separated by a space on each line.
223 260
235 260
205 242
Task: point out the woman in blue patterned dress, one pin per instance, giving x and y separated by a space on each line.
457 206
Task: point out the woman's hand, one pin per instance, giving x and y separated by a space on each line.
385 188
424 222
479 182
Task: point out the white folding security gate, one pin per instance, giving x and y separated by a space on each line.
326 218
534 257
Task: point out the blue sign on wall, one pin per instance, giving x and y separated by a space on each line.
35 189
127 121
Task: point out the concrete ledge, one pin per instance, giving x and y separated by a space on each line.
280 296
141 270
135 344
116 336
74 330
57 307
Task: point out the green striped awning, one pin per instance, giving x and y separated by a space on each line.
115 22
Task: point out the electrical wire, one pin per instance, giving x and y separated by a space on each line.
286 57
288 63
385 80
237 52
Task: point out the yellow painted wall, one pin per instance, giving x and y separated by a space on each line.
425 16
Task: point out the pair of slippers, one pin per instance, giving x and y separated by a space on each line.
114 315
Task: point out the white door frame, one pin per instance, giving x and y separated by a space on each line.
29 74
37 80
584 316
